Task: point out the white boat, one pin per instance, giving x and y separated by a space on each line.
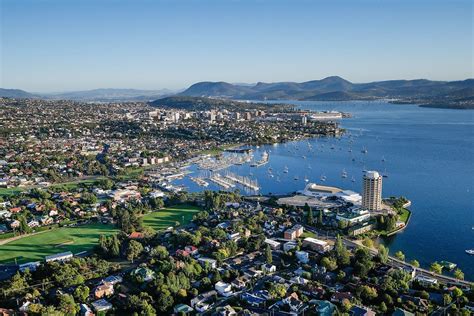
323 178
344 173
470 251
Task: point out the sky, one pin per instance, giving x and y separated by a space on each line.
65 45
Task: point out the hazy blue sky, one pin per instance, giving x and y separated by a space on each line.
71 44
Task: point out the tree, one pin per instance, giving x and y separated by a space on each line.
106 184
160 252
341 275
458 274
329 263
368 293
436 268
18 284
415 263
277 290
368 242
363 262
320 218
309 214
342 224
67 305
447 299
134 250
457 292
268 254
81 293
342 254
383 254
346 305
383 307
24 228
425 295
124 221
165 301
115 246
400 255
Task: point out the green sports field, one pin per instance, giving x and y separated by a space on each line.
36 247
77 239
167 217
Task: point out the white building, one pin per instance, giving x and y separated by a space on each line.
63 256
275 245
350 197
316 190
268 268
211 262
354 217
224 289
372 191
316 244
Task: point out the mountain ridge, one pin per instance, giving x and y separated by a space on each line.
335 88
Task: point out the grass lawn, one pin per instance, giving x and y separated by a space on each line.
36 247
75 184
404 215
308 234
133 173
167 217
66 185
10 191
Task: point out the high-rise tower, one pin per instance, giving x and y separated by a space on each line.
372 195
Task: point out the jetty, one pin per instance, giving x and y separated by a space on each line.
245 181
199 181
221 181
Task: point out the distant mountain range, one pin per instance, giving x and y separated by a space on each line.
449 94
104 95
338 89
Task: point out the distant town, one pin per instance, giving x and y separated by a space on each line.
92 224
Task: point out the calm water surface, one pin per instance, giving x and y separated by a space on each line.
428 155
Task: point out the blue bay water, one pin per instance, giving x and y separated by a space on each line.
429 158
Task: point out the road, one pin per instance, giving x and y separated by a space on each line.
396 263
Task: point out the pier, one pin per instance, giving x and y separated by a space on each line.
221 181
245 181
199 181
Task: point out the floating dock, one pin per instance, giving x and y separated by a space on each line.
199 181
246 182
221 181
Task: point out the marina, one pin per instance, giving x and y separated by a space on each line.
409 169
245 181
221 181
